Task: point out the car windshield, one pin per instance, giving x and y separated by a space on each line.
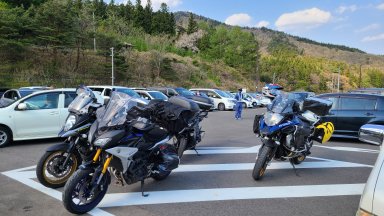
84 98
24 93
222 93
229 94
184 92
283 103
128 91
116 111
158 95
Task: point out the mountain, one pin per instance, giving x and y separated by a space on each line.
306 46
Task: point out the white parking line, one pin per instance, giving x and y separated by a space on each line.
218 194
350 149
24 177
225 150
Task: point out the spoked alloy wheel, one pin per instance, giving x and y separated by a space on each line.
50 170
78 196
261 162
5 136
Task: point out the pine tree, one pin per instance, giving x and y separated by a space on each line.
192 24
147 22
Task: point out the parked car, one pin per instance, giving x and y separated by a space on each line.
151 94
169 91
371 201
221 100
302 95
106 92
255 102
378 91
35 116
350 111
205 103
13 95
2 91
245 101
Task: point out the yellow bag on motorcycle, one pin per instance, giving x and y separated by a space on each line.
323 132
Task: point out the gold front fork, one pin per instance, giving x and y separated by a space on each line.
98 152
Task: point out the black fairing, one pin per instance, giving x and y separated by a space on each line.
92 132
115 135
81 120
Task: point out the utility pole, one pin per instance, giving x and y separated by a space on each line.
94 32
273 80
360 77
338 80
113 76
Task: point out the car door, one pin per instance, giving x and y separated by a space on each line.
333 112
354 112
41 118
64 101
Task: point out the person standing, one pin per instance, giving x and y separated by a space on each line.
239 104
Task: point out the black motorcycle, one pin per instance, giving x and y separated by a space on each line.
181 117
287 130
60 161
129 145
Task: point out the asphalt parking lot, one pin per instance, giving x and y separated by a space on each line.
218 182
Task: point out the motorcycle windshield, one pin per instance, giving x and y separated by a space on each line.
116 111
283 103
84 98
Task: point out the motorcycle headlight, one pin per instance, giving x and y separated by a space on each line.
271 118
71 120
102 142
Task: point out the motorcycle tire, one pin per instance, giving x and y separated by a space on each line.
297 160
161 176
182 147
261 162
81 180
49 164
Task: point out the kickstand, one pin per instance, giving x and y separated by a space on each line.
197 153
294 168
142 189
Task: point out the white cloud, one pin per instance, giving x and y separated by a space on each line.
262 23
373 38
240 19
342 9
307 19
380 6
368 28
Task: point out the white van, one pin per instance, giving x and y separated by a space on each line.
220 99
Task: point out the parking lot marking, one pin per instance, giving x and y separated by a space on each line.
225 150
24 177
219 194
350 149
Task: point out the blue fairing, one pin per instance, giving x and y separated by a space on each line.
267 130
133 135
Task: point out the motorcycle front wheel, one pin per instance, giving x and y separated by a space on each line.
50 170
78 197
261 162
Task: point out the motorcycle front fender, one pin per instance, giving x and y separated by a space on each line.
269 143
58 147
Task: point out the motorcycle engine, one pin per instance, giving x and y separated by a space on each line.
138 170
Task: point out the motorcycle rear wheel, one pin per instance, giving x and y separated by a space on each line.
182 145
77 197
261 162
161 175
48 170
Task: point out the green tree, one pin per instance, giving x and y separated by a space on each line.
147 22
192 24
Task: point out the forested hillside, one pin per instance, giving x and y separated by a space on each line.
67 42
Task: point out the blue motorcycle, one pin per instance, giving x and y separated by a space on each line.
288 128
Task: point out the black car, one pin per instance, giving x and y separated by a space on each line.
350 111
204 103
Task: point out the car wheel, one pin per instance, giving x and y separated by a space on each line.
5 136
221 107
244 105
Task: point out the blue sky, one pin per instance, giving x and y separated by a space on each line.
354 23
